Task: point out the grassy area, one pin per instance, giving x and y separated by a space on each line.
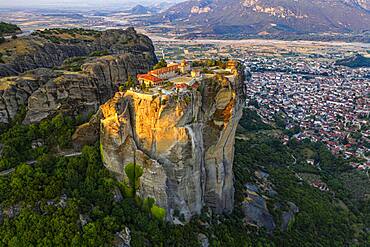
17 47
6 83
73 64
73 35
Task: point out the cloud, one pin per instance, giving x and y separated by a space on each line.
71 3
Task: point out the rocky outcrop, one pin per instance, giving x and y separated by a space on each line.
83 93
122 238
87 133
33 52
203 239
46 92
14 91
257 205
254 205
184 142
256 212
287 217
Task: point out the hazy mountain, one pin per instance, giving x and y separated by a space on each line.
153 8
141 10
272 16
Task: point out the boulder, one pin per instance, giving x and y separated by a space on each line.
12 211
117 195
203 239
288 216
123 238
252 187
256 213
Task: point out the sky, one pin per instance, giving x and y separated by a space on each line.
74 3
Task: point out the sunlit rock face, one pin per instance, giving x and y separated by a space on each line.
184 142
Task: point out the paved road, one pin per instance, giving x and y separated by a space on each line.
7 172
32 162
72 154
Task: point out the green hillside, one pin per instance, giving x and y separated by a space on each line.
68 201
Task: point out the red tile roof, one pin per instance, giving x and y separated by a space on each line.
148 77
164 70
182 85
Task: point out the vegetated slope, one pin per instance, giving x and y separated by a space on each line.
271 16
74 200
8 29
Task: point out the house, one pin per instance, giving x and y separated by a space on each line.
310 162
149 80
181 87
320 185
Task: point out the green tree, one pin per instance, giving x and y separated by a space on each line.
133 172
161 64
148 204
158 212
130 82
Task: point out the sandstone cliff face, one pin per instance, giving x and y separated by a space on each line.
83 92
184 143
14 91
38 52
46 92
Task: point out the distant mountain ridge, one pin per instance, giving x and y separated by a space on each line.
141 10
356 61
272 16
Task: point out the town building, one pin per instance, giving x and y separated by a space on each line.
158 76
195 73
148 80
166 72
184 67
